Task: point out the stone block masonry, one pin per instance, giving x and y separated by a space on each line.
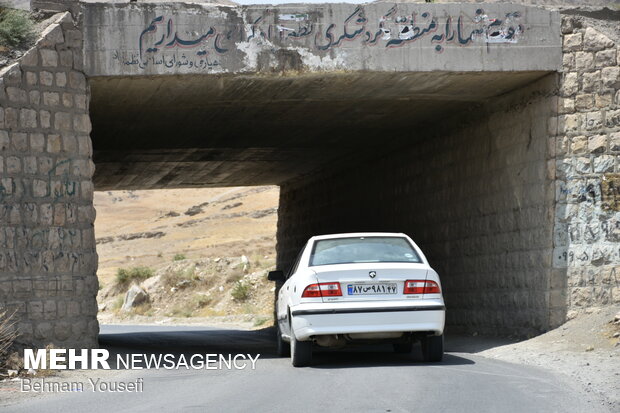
585 145
48 261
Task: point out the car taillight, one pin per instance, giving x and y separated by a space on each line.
421 287
322 290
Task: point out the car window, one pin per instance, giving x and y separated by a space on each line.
362 249
296 264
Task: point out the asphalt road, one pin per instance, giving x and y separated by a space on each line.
370 379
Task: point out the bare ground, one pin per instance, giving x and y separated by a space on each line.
583 349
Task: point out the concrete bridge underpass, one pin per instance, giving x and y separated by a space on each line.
431 119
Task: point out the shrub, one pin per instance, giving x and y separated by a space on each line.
126 276
8 334
241 291
179 257
16 29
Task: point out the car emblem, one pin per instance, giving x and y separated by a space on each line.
372 274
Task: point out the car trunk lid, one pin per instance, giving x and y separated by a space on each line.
364 282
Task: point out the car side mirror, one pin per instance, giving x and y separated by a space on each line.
276 275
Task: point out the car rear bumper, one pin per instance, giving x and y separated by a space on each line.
311 319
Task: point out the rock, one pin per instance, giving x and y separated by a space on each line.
134 297
183 283
12 373
195 210
244 260
616 335
32 372
593 40
150 285
217 259
102 307
589 348
617 317
221 289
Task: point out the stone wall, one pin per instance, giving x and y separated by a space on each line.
586 138
475 191
47 246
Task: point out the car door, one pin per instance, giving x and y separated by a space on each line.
284 297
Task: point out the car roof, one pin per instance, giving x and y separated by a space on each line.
358 234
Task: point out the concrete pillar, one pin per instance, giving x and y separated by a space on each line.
47 245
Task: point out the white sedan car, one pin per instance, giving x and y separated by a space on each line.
359 288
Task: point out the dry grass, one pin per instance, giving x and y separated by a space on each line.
201 300
235 275
261 320
47 371
143 309
181 310
180 279
118 302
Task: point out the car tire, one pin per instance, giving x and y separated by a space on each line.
284 348
403 348
301 352
432 348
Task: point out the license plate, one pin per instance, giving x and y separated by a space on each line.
371 289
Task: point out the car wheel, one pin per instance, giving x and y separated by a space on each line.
301 352
284 348
432 348
403 348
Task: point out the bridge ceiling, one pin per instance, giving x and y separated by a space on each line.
184 131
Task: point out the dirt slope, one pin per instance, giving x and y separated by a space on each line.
208 241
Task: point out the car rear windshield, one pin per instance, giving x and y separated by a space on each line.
362 249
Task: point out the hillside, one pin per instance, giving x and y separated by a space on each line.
191 250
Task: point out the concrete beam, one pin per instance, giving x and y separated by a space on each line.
179 38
